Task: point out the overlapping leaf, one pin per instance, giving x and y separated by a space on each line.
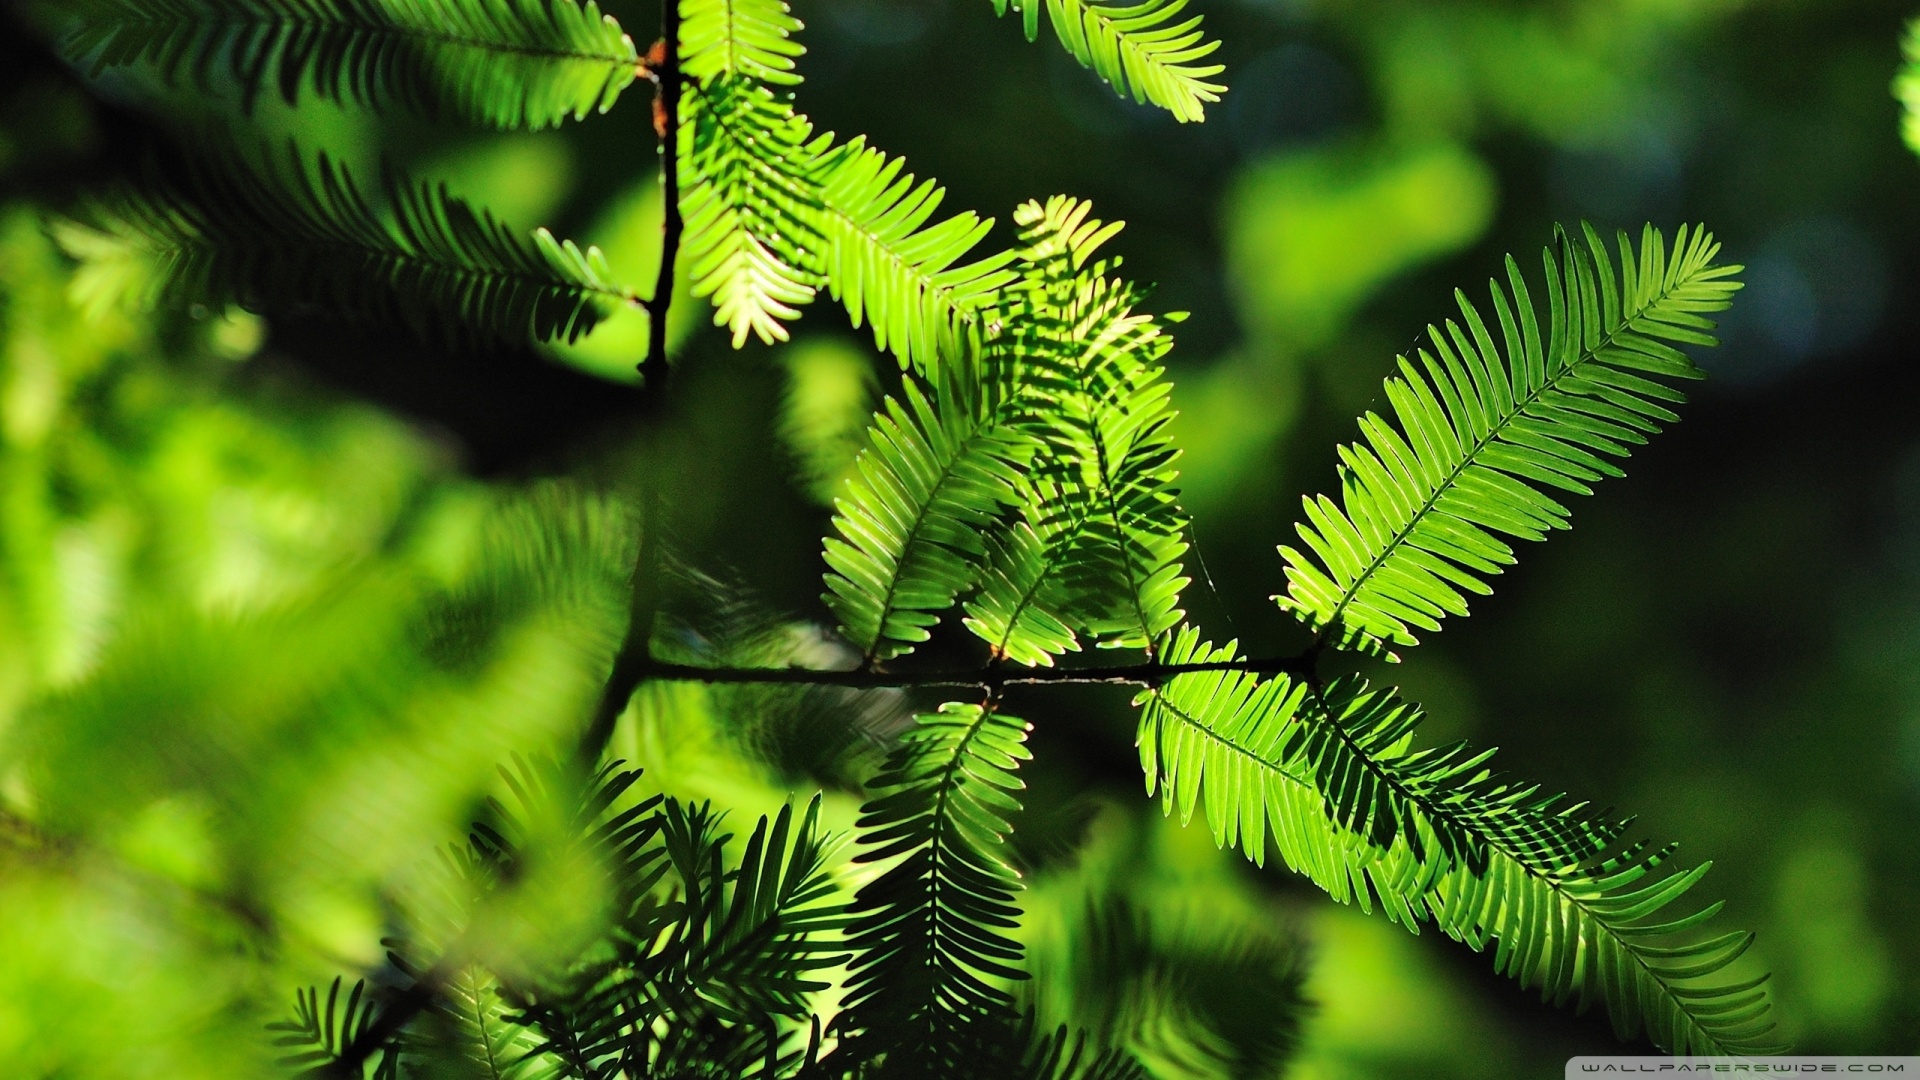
1141 49
304 235
1115 518
896 272
775 213
936 468
498 63
751 205
930 934
1332 776
1482 428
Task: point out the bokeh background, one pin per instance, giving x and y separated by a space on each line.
225 738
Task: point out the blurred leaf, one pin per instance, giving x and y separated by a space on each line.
1311 235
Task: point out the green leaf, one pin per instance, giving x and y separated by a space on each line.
893 270
1334 778
320 1034
496 63
1138 49
1020 610
720 39
751 205
1482 428
303 234
1073 334
1907 87
936 468
930 934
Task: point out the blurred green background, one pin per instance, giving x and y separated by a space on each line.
227 743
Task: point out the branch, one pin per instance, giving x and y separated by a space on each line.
666 74
992 679
635 656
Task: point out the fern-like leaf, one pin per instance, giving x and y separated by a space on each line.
1139 49
1484 427
936 467
482 1034
1073 333
1333 777
721 39
896 272
751 206
306 236
319 1036
1020 609
497 63
930 934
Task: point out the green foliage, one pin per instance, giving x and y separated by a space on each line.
1111 508
751 205
1024 475
302 233
773 212
497 63
936 469
931 930
1333 777
1482 427
1139 49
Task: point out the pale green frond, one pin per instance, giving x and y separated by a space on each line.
1143 49
893 270
751 203
1020 610
722 39
937 466
1334 779
302 234
1482 428
1109 453
497 63
930 934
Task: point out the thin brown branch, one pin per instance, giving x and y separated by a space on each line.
663 66
991 679
654 369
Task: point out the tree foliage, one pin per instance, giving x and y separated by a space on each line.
1022 482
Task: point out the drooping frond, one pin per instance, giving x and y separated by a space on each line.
1139 49
893 270
1334 778
1020 609
936 468
1073 332
498 63
305 236
930 934
318 1037
774 213
751 38
1484 427
707 966
754 933
751 205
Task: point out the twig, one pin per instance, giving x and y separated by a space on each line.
1148 674
654 370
